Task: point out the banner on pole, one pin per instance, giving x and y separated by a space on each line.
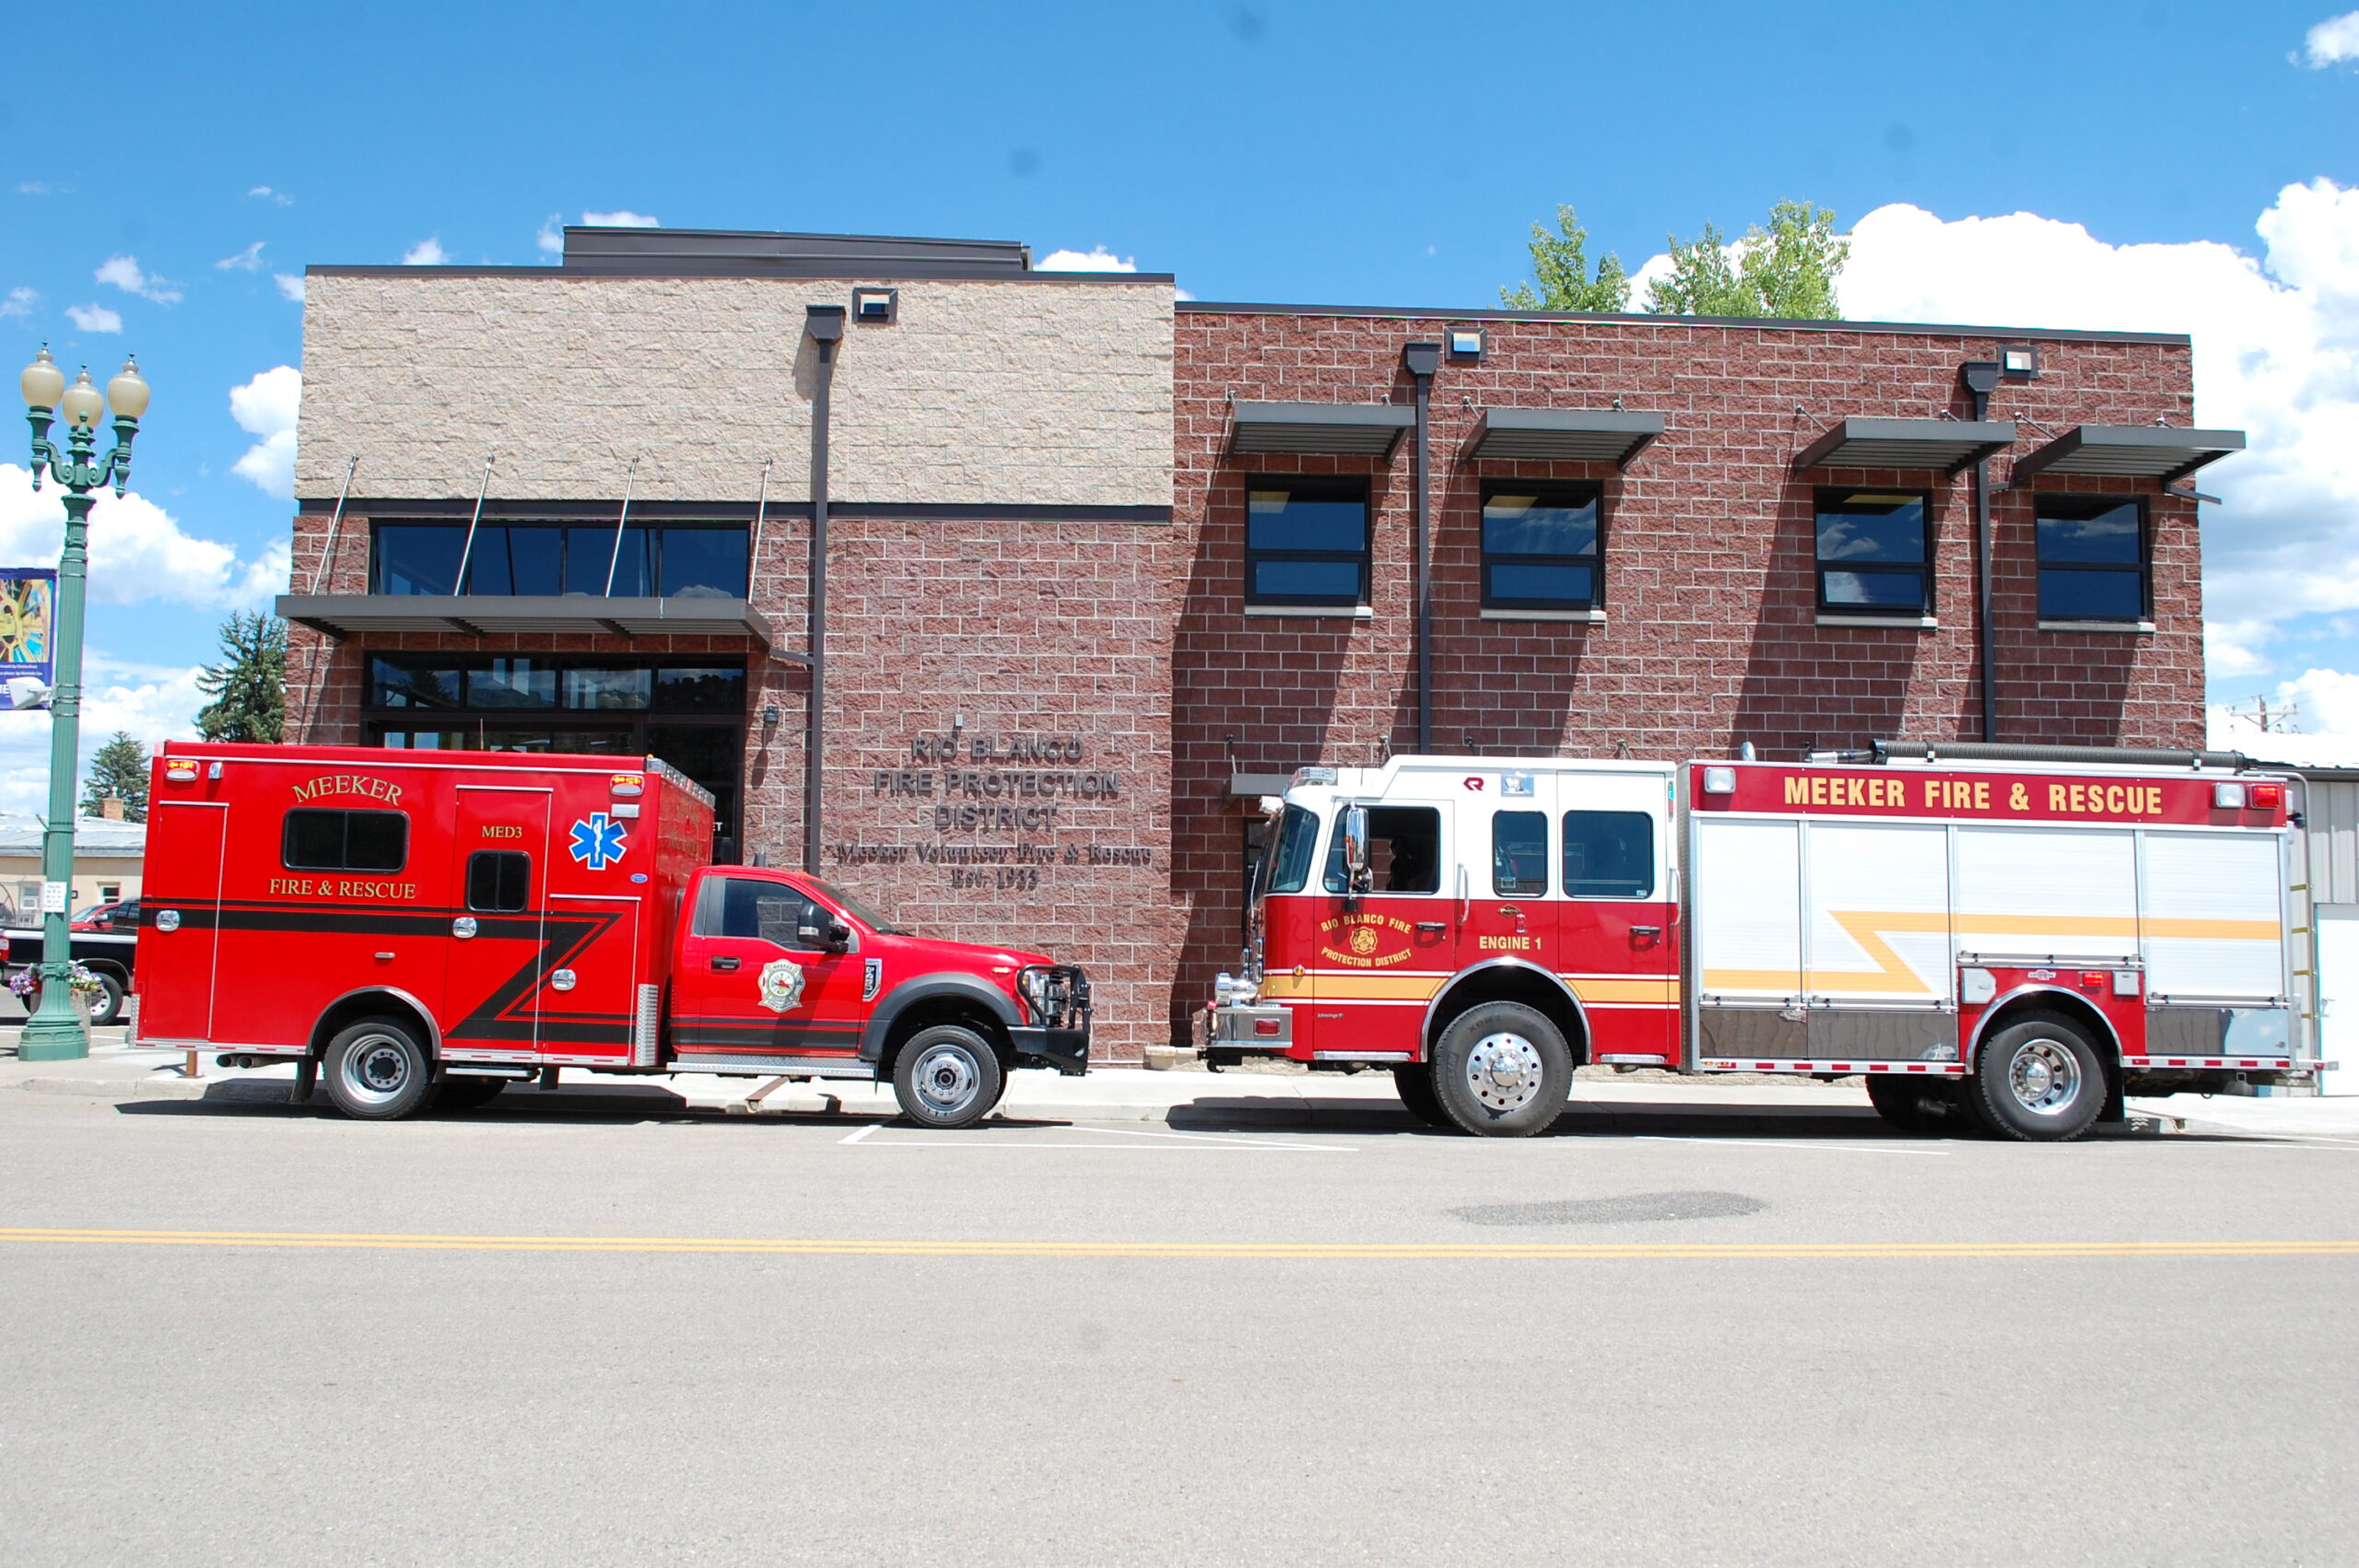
27 624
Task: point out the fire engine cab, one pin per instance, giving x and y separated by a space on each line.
2016 937
427 928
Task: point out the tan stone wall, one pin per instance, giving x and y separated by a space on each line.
1044 393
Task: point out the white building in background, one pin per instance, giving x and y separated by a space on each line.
108 856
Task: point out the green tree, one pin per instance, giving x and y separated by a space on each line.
118 768
248 686
1788 269
1560 260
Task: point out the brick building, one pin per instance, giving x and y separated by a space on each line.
1103 565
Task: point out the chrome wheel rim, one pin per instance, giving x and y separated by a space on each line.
377 1068
2043 1076
1503 1072
946 1078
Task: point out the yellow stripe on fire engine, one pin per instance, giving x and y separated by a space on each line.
1893 975
1354 985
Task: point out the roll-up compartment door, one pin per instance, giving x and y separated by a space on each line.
2039 893
1748 909
2213 916
1879 932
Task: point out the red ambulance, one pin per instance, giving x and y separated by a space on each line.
426 928
2009 937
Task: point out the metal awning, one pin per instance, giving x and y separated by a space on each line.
1947 444
2134 452
1350 428
1562 435
342 616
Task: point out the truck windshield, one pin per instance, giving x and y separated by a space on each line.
859 910
1291 856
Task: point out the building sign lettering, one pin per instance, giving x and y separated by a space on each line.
965 785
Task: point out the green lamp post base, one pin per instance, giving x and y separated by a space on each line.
52 1039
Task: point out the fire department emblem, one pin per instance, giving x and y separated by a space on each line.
781 985
1363 940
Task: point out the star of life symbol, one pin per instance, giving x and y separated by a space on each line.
781 985
597 841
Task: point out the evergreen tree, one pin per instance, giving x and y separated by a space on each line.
1560 260
248 686
118 768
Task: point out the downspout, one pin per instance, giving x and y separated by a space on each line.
1981 378
1423 360
826 325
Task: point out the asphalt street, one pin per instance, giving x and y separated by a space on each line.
251 1333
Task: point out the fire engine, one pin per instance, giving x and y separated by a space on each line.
2014 937
427 927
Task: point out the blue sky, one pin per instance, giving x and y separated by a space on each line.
1367 153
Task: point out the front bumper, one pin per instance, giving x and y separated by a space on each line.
1245 1029
1067 1051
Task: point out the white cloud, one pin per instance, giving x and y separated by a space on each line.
2322 707
624 219
20 302
33 188
94 318
427 253
551 238
267 406
264 194
152 703
125 274
138 551
290 284
2276 356
2333 40
247 260
1096 259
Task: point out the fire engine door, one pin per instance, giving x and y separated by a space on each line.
1506 877
1380 955
499 951
759 976
176 973
1616 942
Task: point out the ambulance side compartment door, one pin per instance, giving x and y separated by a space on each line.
180 936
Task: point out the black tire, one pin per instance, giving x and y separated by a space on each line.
1913 1105
948 1076
1501 1069
464 1093
378 1071
1413 1081
107 1008
2038 1079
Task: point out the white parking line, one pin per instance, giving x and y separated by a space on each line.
1172 1143
1789 1143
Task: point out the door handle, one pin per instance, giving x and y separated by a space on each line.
724 964
1431 927
463 927
1646 931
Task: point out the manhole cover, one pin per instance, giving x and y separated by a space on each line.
1627 1209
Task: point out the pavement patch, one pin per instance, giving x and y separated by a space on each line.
1629 1207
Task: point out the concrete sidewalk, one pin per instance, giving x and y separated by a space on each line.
1602 1100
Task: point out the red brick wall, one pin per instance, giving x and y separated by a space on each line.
1709 588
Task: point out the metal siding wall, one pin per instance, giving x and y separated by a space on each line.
2333 841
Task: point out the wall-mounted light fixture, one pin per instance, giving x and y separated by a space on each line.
1466 343
2021 361
876 307
770 716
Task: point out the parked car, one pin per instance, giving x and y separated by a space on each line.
115 915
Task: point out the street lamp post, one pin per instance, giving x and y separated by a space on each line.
55 1033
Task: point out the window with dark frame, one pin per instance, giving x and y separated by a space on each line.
321 839
1403 851
666 560
1305 542
1540 545
1875 552
2092 558
1519 854
1609 855
500 882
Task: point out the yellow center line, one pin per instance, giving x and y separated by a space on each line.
849 1246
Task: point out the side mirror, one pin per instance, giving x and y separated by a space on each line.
839 936
1359 878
